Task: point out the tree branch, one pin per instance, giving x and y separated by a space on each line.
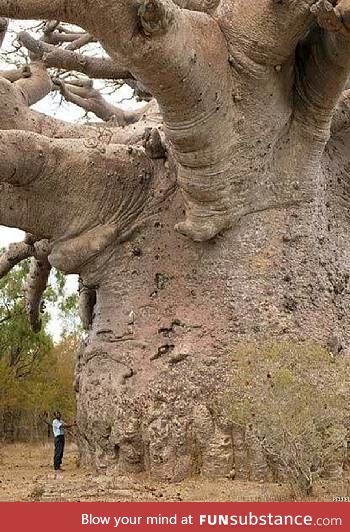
40 9
114 181
167 50
81 41
35 87
57 37
93 67
37 278
16 74
87 302
333 18
3 29
14 255
16 115
22 157
205 6
341 117
36 283
277 26
323 62
92 101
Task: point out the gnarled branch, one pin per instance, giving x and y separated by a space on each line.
14 255
341 117
112 210
57 37
323 62
16 74
16 115
333 18
36 283
93 67
3 29
38 274
81 41
277 26
171 58
92 101
39 9
87 302
36 86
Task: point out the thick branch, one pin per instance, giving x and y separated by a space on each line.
167 50
277 27
323 69
3 29
38 274
335 19
22 156
113 183
341 117
16 115
14 255
35 87
93 67
87 302
81 41
39 9
35 287
16 74
57 37
92 101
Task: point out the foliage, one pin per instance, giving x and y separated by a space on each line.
20 348
36 376
293 399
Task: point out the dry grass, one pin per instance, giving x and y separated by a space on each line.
26 475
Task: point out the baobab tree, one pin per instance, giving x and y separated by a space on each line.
216 214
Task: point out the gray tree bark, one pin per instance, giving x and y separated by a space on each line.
216 217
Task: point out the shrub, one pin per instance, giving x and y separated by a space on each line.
293 399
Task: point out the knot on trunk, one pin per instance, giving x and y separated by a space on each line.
331 17
156 16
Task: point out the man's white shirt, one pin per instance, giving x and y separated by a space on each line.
57 427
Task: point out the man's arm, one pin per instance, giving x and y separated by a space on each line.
69 425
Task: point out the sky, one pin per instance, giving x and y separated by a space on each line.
53 105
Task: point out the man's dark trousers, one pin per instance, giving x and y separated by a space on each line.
59 448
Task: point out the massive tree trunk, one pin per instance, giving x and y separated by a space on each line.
216 219
169 312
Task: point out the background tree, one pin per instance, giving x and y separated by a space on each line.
216 214
35 376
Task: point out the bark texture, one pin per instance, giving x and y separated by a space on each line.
215 216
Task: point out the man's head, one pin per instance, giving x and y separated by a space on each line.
57 414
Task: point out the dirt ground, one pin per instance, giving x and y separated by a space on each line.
26 475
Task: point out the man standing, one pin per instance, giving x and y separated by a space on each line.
58 427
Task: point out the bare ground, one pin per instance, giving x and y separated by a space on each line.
26 475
